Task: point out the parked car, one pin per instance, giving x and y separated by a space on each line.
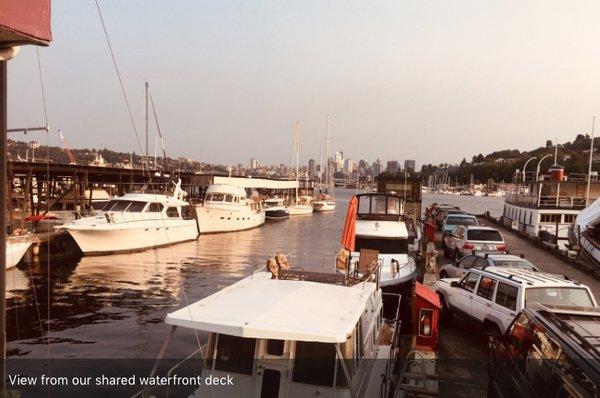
453 219
484 260
492 297
549 351
443 211
464 239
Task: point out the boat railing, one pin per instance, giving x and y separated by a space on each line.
571 177
574 202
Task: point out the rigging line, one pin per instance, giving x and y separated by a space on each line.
162 141
39 62
114 60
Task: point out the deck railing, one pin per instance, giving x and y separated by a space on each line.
571 202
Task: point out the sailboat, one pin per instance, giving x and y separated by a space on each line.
325 201
297 207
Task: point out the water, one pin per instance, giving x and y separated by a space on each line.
114 306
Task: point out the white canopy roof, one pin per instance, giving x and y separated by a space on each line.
260 307
223 188
264 183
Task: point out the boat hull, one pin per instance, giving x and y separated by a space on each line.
100 241
214 220
15 252
276 214
297 210
323 205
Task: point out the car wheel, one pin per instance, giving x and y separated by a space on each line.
491 330
445 311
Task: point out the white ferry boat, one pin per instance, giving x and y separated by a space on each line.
545 206
227 208
135 221
295 336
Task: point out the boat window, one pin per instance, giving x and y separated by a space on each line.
550 218
228 198
217 197
155 208
485 235
506 296
275 347
172 212
364 205
235 354
486 288
393 205
186 213
136 207
384 246
121 205
378 204
314 363
109 206
236 199
558 295
569 218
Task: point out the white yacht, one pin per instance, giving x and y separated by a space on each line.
380 226
323 203
227 208
302 334
545 206
15 250
275 209
136 221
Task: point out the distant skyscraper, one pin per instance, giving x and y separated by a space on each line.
409 166
253 163
339 160
312 169
348 166
392 166
376 169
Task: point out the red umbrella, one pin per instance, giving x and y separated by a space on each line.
350 225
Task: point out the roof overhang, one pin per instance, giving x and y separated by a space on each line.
24 22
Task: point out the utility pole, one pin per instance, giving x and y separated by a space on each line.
589 176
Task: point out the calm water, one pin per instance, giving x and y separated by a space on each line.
114 306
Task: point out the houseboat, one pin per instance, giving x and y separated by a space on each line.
545 206
294 334
227 208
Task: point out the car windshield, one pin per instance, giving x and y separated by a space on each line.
558 295
461 221
484 234
523 264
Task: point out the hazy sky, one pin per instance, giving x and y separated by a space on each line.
427 80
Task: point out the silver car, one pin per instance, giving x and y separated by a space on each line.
484 260
464 239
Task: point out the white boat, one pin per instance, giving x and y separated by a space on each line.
136 221
298 207
15 250
380 226
585 233
227 208
275 209
293 337
325 201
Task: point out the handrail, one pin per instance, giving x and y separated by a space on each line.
184 360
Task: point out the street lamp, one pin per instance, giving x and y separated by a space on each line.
525 167
539 164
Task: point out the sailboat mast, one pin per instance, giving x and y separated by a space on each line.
327 154
297 156
146 117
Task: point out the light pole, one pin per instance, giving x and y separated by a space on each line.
525 167
539 164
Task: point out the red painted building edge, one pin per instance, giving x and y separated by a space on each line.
25 22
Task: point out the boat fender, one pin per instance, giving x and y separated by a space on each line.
282 261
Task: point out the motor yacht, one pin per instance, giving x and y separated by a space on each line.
297 334
275 209
323 203
227 208
136 221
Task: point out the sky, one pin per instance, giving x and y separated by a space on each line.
433 81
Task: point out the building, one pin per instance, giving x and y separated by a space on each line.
409 166
392 166
339 160
376 169
253 164
348 166
312 169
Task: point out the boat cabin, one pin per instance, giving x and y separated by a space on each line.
221 195
285 338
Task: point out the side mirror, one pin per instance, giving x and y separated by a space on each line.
454 284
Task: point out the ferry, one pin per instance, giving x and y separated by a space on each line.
135 221
294 334
545 206
227 208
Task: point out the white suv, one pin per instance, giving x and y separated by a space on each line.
493 297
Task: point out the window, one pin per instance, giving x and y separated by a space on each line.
530 217
155 208
523 264
172 212
461 221
314 363
569 218
235 354
485 235
228 198
469 281
550 218
486 288
506 296
275 347
217 197
393 205
364 205
110 205
467 262
187 213
378 204
136 207
120 205
558 295
385 246
480 263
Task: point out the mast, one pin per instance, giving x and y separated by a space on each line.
297 143
327 154
146 118
589 176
